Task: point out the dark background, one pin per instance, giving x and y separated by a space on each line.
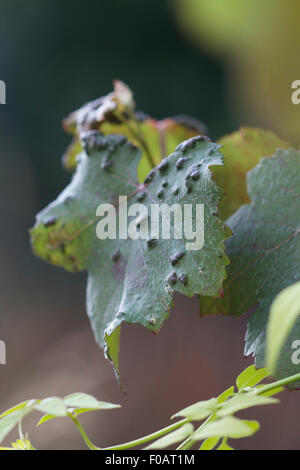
54 56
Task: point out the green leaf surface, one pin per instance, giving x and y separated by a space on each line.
46 418
265 254
10 418
129 280
270 393
199 410
172 438
28 404
285 310
244 401
224 446
83 402
227 427
210 443
24 444
225 395
251 377
8 423
77 404
53 406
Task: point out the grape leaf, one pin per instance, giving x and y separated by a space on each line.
115 114
242 150
134 280
264 253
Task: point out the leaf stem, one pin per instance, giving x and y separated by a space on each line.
189 442
84 435
279 383
127 445
21 435
138 136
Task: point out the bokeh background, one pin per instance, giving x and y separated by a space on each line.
226 63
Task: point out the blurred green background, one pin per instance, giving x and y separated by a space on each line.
54 56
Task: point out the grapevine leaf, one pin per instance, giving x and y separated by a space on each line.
115 114
134 280
264 253
284 312
172 438
242 150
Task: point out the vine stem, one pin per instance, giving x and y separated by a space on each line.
128 445
278 383
189 442
21 435
84 435
149 437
